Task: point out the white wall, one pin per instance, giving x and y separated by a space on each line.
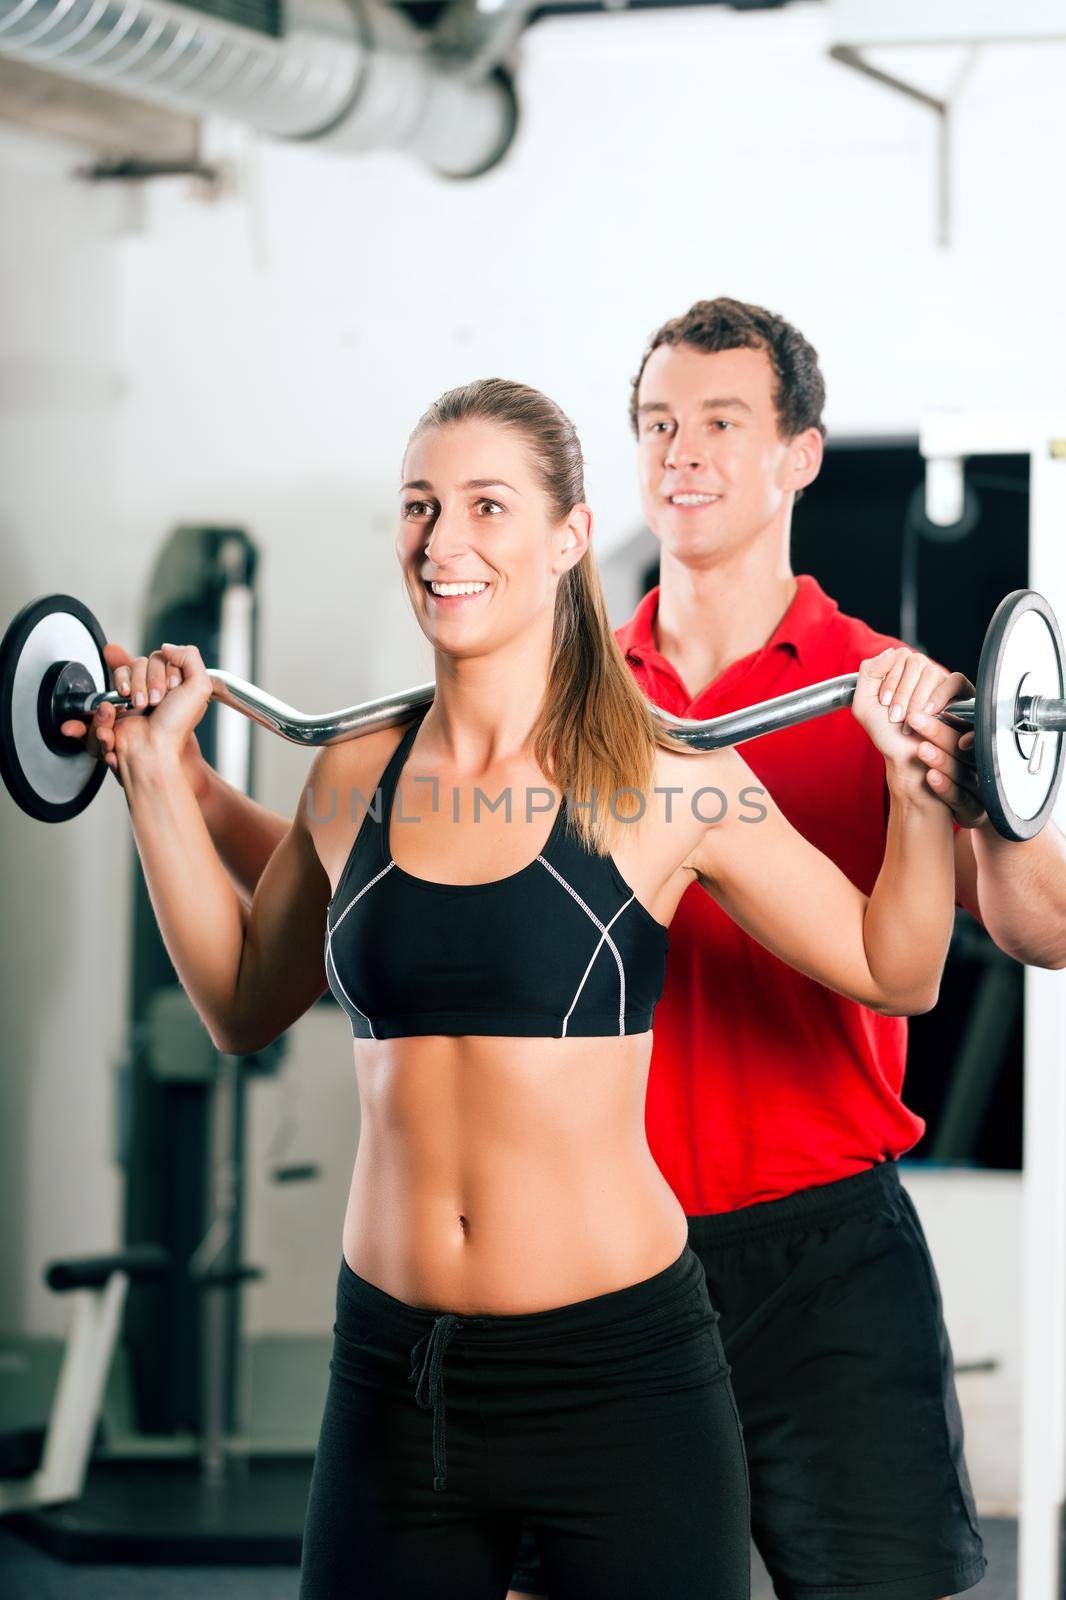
261 358
64 889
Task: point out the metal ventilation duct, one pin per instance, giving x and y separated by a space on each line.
351 73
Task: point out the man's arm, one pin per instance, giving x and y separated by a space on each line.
1015 888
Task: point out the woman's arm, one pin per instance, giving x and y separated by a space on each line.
886 950
244 833
249 974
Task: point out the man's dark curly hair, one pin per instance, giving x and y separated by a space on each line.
725 324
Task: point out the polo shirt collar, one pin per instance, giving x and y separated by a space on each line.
810 610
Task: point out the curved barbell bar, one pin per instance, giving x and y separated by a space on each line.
716 733
1016 726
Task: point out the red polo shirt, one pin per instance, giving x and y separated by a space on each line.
762 1081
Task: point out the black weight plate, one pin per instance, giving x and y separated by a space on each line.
1022 654
50 786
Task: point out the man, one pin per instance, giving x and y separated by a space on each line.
774 1105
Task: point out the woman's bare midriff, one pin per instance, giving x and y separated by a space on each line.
506 1175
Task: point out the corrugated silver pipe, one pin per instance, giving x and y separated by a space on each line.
351 73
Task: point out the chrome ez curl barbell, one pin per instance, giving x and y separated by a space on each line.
52 669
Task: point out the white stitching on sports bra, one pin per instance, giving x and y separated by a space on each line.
622 988
356 897
343 990
329 944
604 937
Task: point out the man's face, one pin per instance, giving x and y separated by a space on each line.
715 473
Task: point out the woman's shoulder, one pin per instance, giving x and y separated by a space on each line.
343 778
362 758
691 770
688 790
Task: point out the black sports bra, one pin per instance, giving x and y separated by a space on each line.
560 948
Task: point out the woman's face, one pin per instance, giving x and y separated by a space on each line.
480 553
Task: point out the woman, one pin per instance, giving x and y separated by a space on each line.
500 963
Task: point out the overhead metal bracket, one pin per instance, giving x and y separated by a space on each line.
857 26
851 56
132 169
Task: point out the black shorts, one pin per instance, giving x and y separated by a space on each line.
843 1375
595 1423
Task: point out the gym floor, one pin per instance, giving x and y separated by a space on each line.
27 1574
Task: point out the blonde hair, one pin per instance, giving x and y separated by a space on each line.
596 736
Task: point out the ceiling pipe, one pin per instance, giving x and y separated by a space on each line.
354 75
